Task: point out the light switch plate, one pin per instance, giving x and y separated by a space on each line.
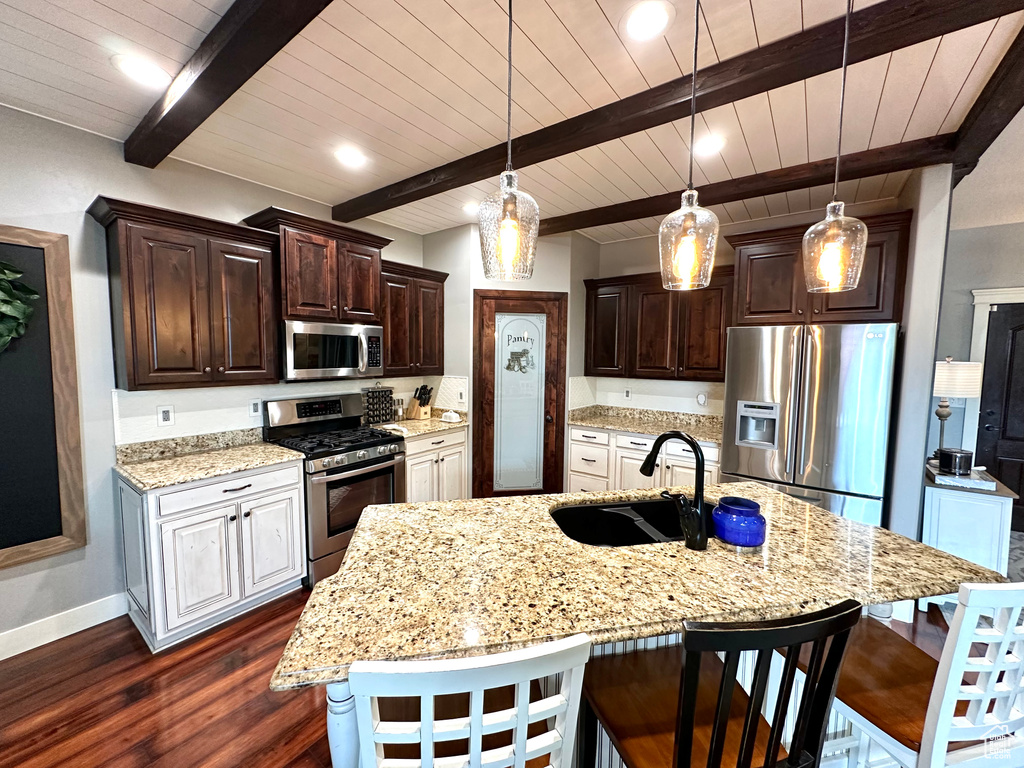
164 415
628 393
702 398
255 408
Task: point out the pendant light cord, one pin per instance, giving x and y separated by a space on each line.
842 101
693 87
508 91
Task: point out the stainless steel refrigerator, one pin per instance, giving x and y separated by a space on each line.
807 410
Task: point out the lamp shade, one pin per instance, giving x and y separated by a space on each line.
957 379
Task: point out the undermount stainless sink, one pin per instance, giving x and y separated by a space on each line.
621 524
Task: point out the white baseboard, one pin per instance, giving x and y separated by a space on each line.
43 631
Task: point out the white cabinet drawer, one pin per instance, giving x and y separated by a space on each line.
588 436
435 442
677 449
588 459
584 484
227 490
634 442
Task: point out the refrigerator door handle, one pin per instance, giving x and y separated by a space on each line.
797 342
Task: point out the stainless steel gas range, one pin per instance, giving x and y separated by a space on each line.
348 468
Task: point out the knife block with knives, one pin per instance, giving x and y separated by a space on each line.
419 404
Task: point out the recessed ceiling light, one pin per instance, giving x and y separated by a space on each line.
709 145
142 71
351 157
647 19
471 209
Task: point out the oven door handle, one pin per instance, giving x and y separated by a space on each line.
364 353
324 478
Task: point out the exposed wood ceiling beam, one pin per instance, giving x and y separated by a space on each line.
999 102
896 157
245 38
874 31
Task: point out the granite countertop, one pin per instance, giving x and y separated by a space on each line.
417 427
705 428
464 578
149 474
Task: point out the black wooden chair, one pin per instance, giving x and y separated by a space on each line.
682 706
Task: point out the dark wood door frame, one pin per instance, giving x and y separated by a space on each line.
555 306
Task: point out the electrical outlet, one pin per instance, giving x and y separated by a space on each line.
702 398
164 415
628 393
462 397
255 408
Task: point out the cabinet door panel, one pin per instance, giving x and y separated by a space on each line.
399 344
310 276
704 316
200 564
876 297
421 478
429 325
360 284
170 300
452 474
133 534
606 331
771 284
271 542
654 321
244 334
627 472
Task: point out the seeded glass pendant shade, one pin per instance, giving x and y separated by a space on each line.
509 221
834 252
509 218
687 239
834 248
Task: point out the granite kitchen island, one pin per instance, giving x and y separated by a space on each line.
462 578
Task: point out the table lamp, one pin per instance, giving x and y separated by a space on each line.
954 380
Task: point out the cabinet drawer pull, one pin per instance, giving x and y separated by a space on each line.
236 490
634 442
438 442
588 437
589 461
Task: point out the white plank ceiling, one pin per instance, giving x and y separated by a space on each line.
417 83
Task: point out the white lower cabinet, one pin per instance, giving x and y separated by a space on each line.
436 467
593 467
202 563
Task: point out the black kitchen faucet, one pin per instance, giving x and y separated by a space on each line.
692 517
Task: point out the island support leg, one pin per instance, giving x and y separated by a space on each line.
342 732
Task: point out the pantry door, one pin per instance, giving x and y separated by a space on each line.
518 392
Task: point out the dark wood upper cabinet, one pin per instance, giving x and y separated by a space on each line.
192 299
704 316
309 275
412 300
638 329
607 329
653 331
360 284
770 287
330 272
242 312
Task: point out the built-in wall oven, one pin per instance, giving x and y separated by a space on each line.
348 467
332 350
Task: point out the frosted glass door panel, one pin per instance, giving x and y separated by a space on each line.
520 346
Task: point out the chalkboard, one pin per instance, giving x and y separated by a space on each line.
30 505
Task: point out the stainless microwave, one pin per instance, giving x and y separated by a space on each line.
332 351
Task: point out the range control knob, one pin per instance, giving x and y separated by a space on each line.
381 450
393 448
327 462
361 455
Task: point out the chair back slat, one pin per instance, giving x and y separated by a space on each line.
818 629
758 688
371 682
978 693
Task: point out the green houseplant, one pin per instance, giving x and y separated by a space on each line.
15 309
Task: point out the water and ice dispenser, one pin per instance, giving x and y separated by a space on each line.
757 424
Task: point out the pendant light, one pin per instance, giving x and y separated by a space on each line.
834 248
509 218
687 237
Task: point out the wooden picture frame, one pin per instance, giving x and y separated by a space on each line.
70 472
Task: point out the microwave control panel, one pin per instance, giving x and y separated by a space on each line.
373 359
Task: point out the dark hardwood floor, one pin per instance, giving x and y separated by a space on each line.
100 698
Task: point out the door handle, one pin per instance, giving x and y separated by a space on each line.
364 352
548 418
991 428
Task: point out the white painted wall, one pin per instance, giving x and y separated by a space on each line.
991 194
405 247
50 174
928 192
584 263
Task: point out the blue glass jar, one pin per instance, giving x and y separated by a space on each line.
739 522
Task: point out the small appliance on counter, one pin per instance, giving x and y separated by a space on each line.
419 404
955 461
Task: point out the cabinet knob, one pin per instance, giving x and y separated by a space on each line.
232 518
442 458
334 306
817 311
344 309
206 369
799 311
220 369
246 514
435 461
